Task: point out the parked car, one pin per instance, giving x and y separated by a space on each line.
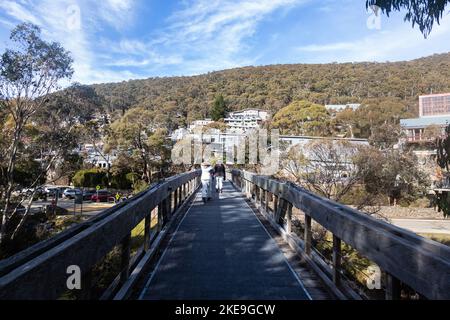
52 191
101 196
71 193
38 194
87 194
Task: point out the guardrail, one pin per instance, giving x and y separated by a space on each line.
40 272
421 264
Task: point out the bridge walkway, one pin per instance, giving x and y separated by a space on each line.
220 250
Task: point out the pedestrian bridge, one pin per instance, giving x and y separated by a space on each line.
255 241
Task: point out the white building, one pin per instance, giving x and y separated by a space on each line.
95 158
241 121
220 142
179 134
290 141
199 123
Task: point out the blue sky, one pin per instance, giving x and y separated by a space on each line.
116 40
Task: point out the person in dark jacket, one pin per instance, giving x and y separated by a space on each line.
219 173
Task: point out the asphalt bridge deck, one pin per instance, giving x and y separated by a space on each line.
220 250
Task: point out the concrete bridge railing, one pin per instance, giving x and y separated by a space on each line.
41 271
403 256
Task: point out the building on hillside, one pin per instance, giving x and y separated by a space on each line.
434 110
220 142
414 128
199 123
434 117
237 121
179 134
243 120
434 105
93 156
290 141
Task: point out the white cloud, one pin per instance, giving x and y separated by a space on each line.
395 44
118 13
18 12
153 59
58 20
120 5
203 35
215 31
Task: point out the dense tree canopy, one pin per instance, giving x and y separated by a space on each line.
134 136
303 118
219 108
390 88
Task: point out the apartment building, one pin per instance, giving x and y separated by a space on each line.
434 110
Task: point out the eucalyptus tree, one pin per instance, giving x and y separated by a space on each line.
29 71
303 118
137 137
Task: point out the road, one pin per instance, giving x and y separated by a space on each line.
423 225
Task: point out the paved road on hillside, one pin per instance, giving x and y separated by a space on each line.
424 226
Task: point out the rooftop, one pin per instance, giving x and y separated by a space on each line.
424 122
435 95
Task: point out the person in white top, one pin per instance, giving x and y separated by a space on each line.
206 177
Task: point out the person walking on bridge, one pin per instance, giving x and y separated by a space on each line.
219 172
206 177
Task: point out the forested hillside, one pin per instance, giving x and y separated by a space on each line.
177 100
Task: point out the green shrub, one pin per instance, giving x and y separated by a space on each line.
90 178
139 185
120 181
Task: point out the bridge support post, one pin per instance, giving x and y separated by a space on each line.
308 234
247 188
125 258
278 214
254 191
275 205
147 228
266 201
289 218
168 212
180 196
261 194
162 213
337 251
175 199
393 288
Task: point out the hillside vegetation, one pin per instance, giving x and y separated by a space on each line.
178 100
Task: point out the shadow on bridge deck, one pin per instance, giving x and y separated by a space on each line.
220 250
